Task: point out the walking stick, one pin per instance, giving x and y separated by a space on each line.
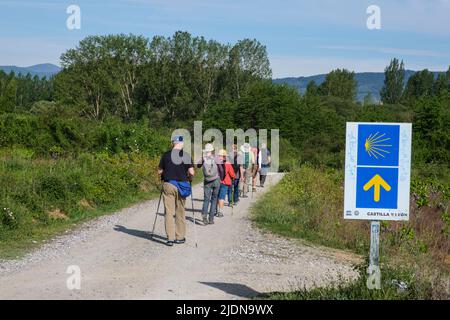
193 215
251 181
232 197
157 210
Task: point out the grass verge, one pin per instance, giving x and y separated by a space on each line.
42 197
308 204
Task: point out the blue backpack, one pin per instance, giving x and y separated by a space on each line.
184 188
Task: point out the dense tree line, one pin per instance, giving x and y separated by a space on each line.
423 100
421 84
169 82
170 79
22 91
428 100
338 83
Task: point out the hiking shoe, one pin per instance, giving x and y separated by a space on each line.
254 189
180 241
205 220
220 215
169 243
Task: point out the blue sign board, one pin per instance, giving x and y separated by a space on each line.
378 148
377 171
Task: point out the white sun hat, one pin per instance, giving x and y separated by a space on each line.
245 147
208 148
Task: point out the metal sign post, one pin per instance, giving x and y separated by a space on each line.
377 180
374 278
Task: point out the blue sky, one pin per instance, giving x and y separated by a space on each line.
303 37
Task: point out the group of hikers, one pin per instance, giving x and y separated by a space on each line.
226 177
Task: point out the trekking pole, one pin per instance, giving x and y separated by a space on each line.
252 179
252 186
232 204
193 215
232 197
157 210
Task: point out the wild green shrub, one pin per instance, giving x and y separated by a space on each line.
52 187
75 187
308 204
57 136
8 218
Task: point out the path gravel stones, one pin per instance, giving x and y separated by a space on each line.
118 259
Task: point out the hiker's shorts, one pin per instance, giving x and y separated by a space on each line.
223 191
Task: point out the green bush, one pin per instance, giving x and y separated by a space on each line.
40 196
8 218
113 136
52 187
68 136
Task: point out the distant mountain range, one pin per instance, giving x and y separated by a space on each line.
368 82
40 70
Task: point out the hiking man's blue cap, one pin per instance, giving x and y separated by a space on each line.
177 139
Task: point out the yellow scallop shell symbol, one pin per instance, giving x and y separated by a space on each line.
376 145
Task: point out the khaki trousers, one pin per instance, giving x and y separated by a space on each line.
174 205
245 181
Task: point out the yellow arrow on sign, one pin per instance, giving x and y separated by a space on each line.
376 182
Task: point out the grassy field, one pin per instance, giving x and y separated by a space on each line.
41 197
308 204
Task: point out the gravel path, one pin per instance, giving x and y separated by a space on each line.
118 260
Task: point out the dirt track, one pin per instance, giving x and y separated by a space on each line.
118 260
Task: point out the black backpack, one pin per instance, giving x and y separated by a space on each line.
222 170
